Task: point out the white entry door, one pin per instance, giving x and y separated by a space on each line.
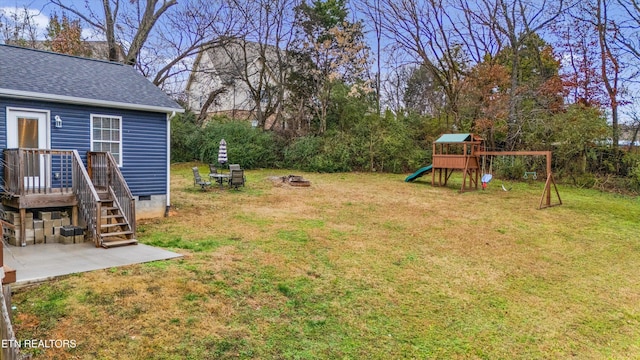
29 129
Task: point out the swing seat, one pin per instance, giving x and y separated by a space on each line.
504 188
486 178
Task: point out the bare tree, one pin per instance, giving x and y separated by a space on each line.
265 56
373 15
630 25
252 64
184 33
19 28
160 38
578 44
596 16
512 23
137 14
610 63
394 86
425 31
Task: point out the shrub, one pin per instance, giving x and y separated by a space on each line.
631 162
251 147
185 137
319 154
248 146
509 167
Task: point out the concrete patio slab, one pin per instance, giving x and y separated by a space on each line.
35 263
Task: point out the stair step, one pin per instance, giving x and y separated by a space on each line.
112 216
109 208
114 234
113 224
109 244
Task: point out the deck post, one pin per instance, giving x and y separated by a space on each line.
21 186
23 227
98 237
89 166
74 215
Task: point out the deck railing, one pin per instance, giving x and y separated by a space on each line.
89 205
38 171
105 174
29 172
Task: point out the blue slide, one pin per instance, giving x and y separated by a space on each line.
418 173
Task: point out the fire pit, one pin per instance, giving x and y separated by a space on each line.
295 180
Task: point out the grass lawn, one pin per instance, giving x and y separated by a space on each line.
359 266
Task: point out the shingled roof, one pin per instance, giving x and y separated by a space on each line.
35 74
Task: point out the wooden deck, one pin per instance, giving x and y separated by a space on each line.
43 178
37 201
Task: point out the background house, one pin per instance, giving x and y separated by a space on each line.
237 79
98 50
55 101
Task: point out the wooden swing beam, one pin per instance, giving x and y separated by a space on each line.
546 194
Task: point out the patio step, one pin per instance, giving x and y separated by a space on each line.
115 234
114 243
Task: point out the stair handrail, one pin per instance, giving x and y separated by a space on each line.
115 182
88 200
123 194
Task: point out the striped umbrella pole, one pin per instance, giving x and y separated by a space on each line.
222 152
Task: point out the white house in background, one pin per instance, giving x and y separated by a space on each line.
228 70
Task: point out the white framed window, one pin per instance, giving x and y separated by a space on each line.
106 135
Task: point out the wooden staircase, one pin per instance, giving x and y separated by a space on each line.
115 229
115 216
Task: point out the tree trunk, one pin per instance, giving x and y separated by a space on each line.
110 31
513 102
205 107
610 82
149 19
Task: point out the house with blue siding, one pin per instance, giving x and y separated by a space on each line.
88 135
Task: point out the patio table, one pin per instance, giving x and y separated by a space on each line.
220 178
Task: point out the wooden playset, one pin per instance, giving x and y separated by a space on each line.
453 152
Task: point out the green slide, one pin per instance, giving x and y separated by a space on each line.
418 173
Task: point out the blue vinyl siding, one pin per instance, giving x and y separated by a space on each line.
144 139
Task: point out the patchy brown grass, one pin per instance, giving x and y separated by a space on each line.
359 266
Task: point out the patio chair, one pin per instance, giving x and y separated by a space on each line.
197 179
236 167
236 179
212 169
